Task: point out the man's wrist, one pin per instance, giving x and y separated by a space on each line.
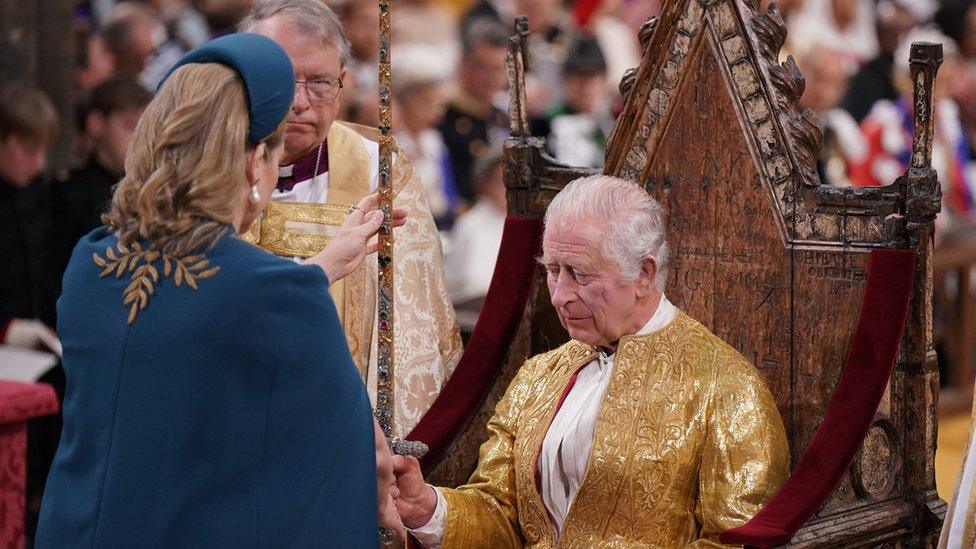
431 533
430 503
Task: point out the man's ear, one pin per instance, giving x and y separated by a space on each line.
256 157
647 277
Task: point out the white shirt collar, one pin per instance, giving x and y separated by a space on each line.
662 316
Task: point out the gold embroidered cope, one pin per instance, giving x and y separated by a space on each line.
426 334
297 229
688 443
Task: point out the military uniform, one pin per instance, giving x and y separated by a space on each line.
468 136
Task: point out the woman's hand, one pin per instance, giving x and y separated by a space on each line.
355 239
386 490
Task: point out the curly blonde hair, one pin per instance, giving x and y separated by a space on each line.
186 162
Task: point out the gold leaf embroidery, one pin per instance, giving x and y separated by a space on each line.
144 274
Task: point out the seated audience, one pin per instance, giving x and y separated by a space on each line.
420 93
133 35
93 62
846 26
577 129
874 81
473 123
474 242
29 126
842 140
80 197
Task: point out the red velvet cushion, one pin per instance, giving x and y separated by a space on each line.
20 401
863 379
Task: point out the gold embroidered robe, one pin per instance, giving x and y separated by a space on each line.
688 443
426 336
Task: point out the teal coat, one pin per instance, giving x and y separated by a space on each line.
230 415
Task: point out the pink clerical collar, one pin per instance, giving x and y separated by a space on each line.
301 170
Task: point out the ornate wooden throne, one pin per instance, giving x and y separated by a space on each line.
777 265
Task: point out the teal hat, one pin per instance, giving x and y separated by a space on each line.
265 69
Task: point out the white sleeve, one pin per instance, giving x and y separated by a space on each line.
431 534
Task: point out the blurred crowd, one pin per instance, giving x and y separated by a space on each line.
450 114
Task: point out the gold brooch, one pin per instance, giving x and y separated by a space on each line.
144 275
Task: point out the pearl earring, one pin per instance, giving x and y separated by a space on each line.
255 196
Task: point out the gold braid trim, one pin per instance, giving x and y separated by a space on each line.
144 276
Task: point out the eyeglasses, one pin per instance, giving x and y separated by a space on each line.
320 89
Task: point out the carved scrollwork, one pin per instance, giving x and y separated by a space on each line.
770 30
788 84
878 462
646 32
644 36
807 138
923 200
627 82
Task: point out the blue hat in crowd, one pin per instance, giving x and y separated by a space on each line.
268 76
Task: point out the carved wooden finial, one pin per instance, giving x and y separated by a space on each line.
516 65
924 194
925 59
522 33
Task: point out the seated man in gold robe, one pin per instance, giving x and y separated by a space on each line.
645 430
328 167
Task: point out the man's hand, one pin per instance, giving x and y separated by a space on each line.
386 507
355 239
415 500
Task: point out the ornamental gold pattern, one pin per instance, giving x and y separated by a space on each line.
688 443
274 230
426 338
143 274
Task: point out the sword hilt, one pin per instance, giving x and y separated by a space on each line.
401 447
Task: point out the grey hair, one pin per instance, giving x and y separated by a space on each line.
635 228
310 17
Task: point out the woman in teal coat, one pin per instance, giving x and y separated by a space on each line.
211 399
